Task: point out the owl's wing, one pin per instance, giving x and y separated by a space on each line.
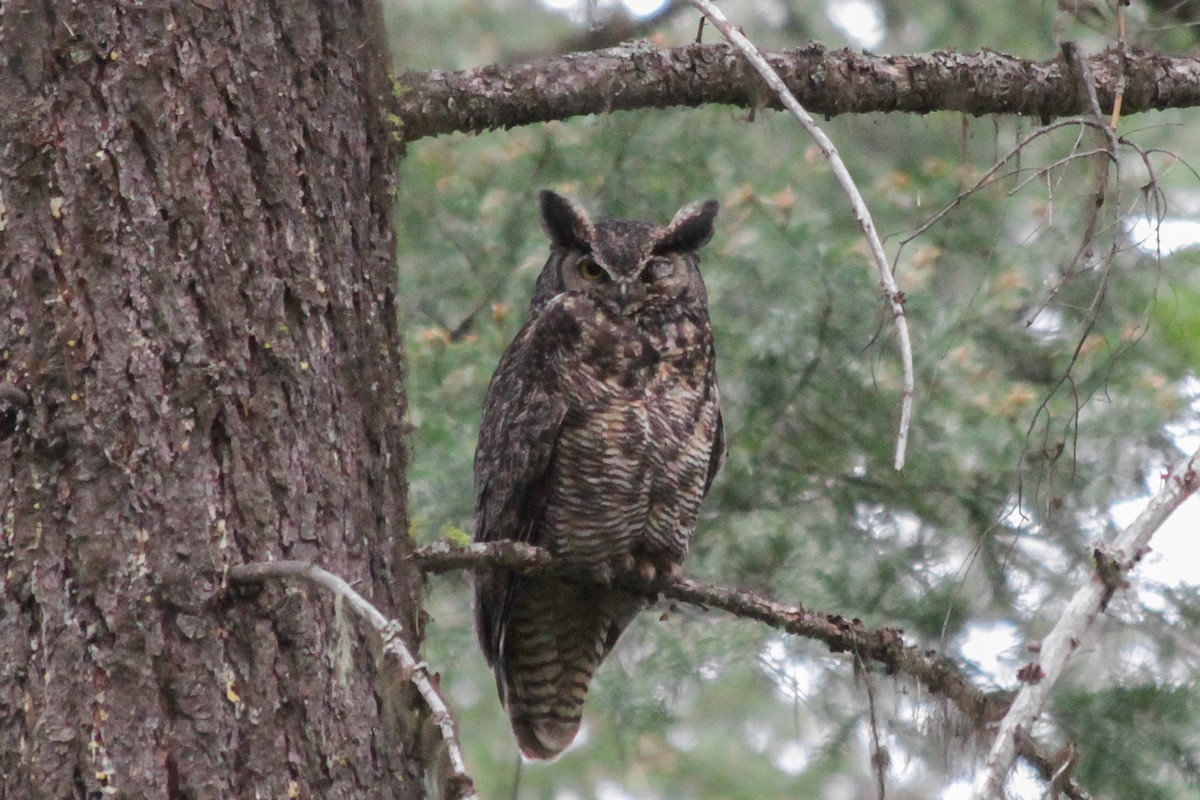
716 458
521 419
522 415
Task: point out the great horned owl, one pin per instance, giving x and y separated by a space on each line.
601 434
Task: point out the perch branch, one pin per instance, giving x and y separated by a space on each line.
459 784
884 647
892 293
1113 562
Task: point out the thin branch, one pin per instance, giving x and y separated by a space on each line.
892 293
1119 89
1081 69
884 647
880 757
1113 562
991 176
459 785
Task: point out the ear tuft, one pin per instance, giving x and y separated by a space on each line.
564 222
691 229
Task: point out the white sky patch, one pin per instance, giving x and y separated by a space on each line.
1187 432
1166 237
794 678
791 758
938 568
860 20
1049 554
643 8
683 737
1175 548
1031 594
577 9
990 647
1048 322
1023 784
959 790
1017 517
908 527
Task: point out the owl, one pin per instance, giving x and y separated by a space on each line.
601 435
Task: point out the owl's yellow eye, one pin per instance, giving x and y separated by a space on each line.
589 270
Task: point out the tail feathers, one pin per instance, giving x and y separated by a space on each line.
544 738
556 637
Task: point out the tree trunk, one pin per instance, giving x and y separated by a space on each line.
197 305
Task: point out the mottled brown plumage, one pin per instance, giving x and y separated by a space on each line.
601 434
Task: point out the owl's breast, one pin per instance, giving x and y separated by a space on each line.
630 463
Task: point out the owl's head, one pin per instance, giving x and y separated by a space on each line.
628 265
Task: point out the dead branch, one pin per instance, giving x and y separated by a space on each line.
1113 562
892 293
1106 161
459 785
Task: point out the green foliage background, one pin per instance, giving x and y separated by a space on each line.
1031 421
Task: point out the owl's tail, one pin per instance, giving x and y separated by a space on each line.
556 637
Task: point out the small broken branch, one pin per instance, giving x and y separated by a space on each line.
892 293
459 785
1114 561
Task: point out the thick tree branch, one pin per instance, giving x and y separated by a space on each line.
458 785
826 82
1113 563
884 647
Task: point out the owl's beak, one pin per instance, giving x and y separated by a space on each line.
629 298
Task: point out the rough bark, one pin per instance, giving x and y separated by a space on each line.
828 82
196 299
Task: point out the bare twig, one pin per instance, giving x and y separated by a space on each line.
1080 67
884 647
894 296
991 176
459 785
1113 562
